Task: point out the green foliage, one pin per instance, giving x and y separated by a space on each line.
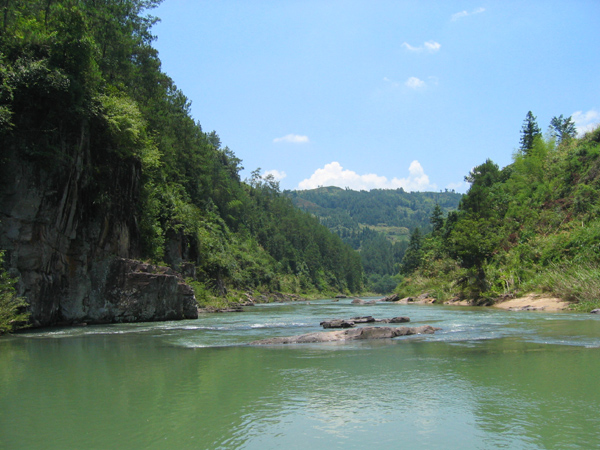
414 253
81 84
13 312
377 223
530 226
562 129
382 284
575 282
529 132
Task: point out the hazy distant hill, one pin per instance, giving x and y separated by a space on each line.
378 223
391 211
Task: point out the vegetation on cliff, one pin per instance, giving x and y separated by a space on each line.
12 308
82 86
377 223
531 226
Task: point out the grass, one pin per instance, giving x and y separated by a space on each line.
576 283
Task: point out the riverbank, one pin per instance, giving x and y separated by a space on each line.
529 302
534 302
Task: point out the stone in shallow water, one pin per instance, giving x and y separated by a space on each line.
348 335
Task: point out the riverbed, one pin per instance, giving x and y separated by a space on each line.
489 379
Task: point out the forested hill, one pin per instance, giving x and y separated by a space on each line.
344 208
101 158
530 226
378 223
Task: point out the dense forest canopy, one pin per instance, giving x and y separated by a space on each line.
530 226
377 223
82 84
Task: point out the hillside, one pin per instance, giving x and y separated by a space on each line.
102 163
531 226
378 223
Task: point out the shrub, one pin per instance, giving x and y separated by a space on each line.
12 308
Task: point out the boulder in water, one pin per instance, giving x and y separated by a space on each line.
348 335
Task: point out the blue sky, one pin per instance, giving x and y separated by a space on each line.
380 93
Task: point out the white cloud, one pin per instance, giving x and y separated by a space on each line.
333 174
586 121
410 48
430 46
460 15
414 83
278 175
292 138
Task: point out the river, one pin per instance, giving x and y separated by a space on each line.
490 379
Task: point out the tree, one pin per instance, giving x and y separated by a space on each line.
414 253
562 128
529 132
482 178
437 219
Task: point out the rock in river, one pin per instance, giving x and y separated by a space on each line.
348 335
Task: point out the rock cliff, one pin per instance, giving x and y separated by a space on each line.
71 236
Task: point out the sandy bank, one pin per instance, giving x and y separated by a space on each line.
534 302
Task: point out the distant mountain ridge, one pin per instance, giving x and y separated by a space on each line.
377 223
344 208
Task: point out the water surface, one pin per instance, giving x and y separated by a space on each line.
489 379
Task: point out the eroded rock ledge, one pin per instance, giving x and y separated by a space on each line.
139 292
348 335
350 323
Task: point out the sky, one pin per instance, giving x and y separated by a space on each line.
380 93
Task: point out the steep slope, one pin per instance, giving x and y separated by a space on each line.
531 226
103 165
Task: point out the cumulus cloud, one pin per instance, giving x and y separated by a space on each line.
333 174
277 174
460 15
414 83
292 139
586 121
430 46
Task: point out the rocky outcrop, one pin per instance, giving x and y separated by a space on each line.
400 319
359 301
338 323
349 323
349 335
69 233
423 299
138 292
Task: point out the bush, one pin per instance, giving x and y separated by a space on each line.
12 308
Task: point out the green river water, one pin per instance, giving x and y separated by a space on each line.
489 379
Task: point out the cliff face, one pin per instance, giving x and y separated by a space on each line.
67 233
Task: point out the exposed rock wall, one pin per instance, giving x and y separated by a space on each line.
67 231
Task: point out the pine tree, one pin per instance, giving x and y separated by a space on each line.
437 219
529 132
414 253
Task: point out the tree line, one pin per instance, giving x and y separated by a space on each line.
530 226
376 223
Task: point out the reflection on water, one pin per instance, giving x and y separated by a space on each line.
490 379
